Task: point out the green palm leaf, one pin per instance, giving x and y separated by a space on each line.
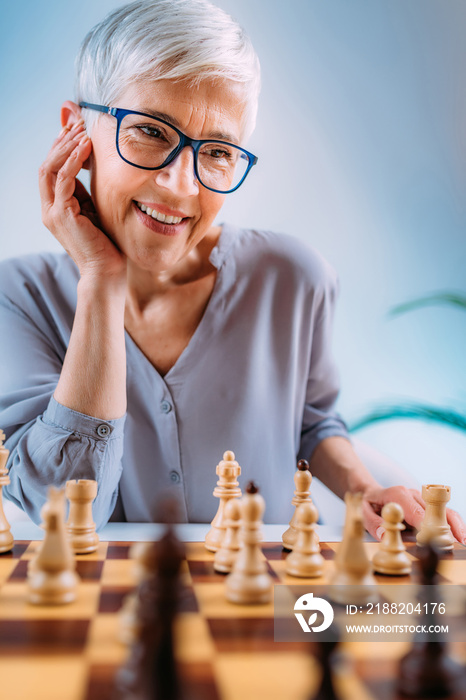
442 416
416 411
449 298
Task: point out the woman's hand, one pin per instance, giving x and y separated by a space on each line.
68 210
413 507
337 465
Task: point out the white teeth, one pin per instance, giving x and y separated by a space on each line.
158 216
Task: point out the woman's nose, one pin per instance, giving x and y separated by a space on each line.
179 175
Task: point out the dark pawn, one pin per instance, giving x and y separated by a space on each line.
426 671
325 654
151 671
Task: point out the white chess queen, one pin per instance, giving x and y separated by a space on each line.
161 338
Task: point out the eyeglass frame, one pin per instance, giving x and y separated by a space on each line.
195 144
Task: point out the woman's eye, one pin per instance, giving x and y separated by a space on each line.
149 130
218 153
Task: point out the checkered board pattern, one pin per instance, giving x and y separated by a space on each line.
225 651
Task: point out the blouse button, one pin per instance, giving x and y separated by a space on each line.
103 430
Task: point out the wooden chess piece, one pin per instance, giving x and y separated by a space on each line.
52 579
435 525
249 583
325 653
391 557
143 555
6 538
426 671
80 524
225 557
227 487
302 494
305 560
352 581
151 671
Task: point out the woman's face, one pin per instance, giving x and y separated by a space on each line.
119 189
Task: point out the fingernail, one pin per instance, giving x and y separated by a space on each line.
78 125
380 532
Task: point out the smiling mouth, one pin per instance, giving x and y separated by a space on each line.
163 218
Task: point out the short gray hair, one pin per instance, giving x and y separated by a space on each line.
165 40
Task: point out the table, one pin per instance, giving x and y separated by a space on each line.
225 651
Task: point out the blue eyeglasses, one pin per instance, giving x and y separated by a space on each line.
151 143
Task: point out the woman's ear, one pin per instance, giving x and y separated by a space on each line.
70 114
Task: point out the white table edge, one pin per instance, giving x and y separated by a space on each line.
188 532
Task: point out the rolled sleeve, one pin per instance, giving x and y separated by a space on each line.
59 416
63 444
329 426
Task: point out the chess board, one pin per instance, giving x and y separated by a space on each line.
225 651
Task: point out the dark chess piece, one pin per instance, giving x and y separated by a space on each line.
325 653
426 671
151 670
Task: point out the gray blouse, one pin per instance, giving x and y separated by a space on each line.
257 377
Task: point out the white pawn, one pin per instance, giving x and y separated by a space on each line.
6 538
391 557
80 524
352 580
227 487
302 494
249 583
225 557
52 579
305 560
435 527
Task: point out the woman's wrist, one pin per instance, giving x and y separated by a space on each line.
337 465
102 287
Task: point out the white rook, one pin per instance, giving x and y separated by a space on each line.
80 524
435 527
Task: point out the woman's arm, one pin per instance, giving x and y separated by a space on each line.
77 433
93 378
337 465
48 442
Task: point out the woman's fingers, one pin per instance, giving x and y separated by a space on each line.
86 204
372 521
68 210
57 175
63 146
61 150
457 525
65 180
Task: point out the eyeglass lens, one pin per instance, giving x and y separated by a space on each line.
147 142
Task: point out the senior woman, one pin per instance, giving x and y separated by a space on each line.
159 339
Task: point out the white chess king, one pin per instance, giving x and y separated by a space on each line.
228 471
